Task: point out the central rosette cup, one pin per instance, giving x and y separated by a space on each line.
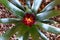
29 19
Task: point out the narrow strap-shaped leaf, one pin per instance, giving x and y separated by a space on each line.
49 6
34 33
57 2
48 21
49 28
10 32
2 38
26 36
42 35
28 10
20 38
9 20
36 4
22 30
18 4
16 11
48 14
28 3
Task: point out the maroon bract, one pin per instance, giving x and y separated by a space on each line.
29 19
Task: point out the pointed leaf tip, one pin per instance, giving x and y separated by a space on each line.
36 4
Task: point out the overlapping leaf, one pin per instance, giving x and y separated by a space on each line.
34 33
49 28
28 3
9 20
48 14
36 4
18 4
42 35
16 11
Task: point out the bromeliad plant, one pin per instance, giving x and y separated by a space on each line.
28 20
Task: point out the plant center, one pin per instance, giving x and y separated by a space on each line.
28 19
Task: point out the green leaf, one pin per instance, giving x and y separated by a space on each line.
18 4
36 4
49 28
34 33
57 2
28 10
26 36
49 6
9 20
47 21
42 35
23 29
11 32
16 11
48 14
28 3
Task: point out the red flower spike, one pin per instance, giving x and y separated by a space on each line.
28 19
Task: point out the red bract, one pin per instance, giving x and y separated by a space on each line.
29 19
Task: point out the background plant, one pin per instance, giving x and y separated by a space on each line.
24 30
